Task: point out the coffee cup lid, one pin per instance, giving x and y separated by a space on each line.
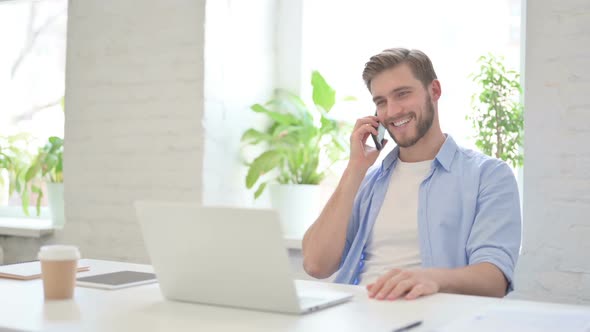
59 253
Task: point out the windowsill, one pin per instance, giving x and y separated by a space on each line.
25 227
33 227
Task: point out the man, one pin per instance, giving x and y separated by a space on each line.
432 217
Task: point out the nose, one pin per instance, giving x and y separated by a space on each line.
393 109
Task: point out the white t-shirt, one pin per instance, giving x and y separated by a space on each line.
394 238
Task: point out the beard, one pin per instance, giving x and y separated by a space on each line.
423 125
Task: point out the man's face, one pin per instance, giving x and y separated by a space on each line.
404 105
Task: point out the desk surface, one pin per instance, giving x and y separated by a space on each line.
144 309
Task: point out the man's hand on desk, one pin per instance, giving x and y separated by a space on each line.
483 279
408 283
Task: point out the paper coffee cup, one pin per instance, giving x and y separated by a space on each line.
58 271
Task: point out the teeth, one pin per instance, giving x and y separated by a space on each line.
402 122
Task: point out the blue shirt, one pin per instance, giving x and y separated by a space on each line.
468 213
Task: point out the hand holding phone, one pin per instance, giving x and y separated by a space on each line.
380 138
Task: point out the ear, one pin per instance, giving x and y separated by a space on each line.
435 90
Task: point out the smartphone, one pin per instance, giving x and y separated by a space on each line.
380 136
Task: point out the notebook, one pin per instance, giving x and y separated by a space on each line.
30 270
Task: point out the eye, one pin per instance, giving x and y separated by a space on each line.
380 102
403 94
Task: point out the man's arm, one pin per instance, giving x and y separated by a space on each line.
483 279
496 232
324 241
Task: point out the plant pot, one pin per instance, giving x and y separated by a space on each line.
4 187
55 197
299 205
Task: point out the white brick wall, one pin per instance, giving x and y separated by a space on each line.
555 261
134 108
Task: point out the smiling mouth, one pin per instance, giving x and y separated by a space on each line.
401 122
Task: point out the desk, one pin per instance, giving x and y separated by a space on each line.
144 309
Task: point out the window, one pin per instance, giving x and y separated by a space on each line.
32 73
339 45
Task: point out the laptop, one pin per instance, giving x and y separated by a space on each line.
224 256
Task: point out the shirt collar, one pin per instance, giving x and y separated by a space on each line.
444 156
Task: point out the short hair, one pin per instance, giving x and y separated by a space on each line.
419 63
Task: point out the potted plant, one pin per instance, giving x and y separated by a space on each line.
46 168
497 111
301 144
14 158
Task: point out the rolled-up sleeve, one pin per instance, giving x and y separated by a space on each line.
350 233
495 236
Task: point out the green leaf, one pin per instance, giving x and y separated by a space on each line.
39 192
323 94
58 169
254 137
278 117
293 103
328 125
25 201
259 190
33 171
50 162
349 98
56 142
261 165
